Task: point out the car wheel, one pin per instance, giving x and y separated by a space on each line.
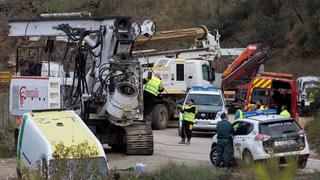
19 174
213 155
247 157
160 117
300 111
302 164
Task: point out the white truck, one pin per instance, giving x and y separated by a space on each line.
306 85
178 76
182 69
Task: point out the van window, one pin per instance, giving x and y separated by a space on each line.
205 72
261 94
180 72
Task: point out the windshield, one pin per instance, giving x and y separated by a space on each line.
161 63
85 168
311 84
280 128
205 99
260 94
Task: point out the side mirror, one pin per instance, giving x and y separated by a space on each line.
180 102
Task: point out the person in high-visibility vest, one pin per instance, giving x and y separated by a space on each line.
284 111
188 118
153 86
312 99
238 114
259 105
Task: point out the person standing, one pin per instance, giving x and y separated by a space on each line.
153 86
224 144
284 111
239 113
259 105
188 119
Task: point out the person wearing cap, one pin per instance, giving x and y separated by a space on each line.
225 132
188 119
284 111
153 86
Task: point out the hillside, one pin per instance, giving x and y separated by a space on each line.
290 28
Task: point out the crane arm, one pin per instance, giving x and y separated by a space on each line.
198 33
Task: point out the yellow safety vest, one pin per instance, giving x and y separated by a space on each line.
312 97
188 116
262 108
285 113
153 86
240 114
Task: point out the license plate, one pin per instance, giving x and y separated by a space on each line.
283 143
202 122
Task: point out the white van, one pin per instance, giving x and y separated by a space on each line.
59 137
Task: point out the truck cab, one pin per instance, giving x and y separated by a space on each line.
179 75
273 90
306 86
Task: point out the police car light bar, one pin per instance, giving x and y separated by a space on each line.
259 112
204 88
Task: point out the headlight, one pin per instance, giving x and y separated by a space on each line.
218 116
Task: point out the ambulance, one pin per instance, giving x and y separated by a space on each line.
49 139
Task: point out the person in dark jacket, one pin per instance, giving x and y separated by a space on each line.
225 132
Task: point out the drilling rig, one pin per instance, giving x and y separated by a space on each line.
106 87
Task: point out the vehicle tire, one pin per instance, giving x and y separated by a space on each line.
247 157
117 147
213 155
16 134
300 111
160 117
19 174
179 129
302 164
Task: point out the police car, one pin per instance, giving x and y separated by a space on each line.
263 134
210 103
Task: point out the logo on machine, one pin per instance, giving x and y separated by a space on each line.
25 93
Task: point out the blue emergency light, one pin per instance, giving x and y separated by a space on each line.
204 88
259 112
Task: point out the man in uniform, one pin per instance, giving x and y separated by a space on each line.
188 118
153 85
224 136
284 111
239 113
259 105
